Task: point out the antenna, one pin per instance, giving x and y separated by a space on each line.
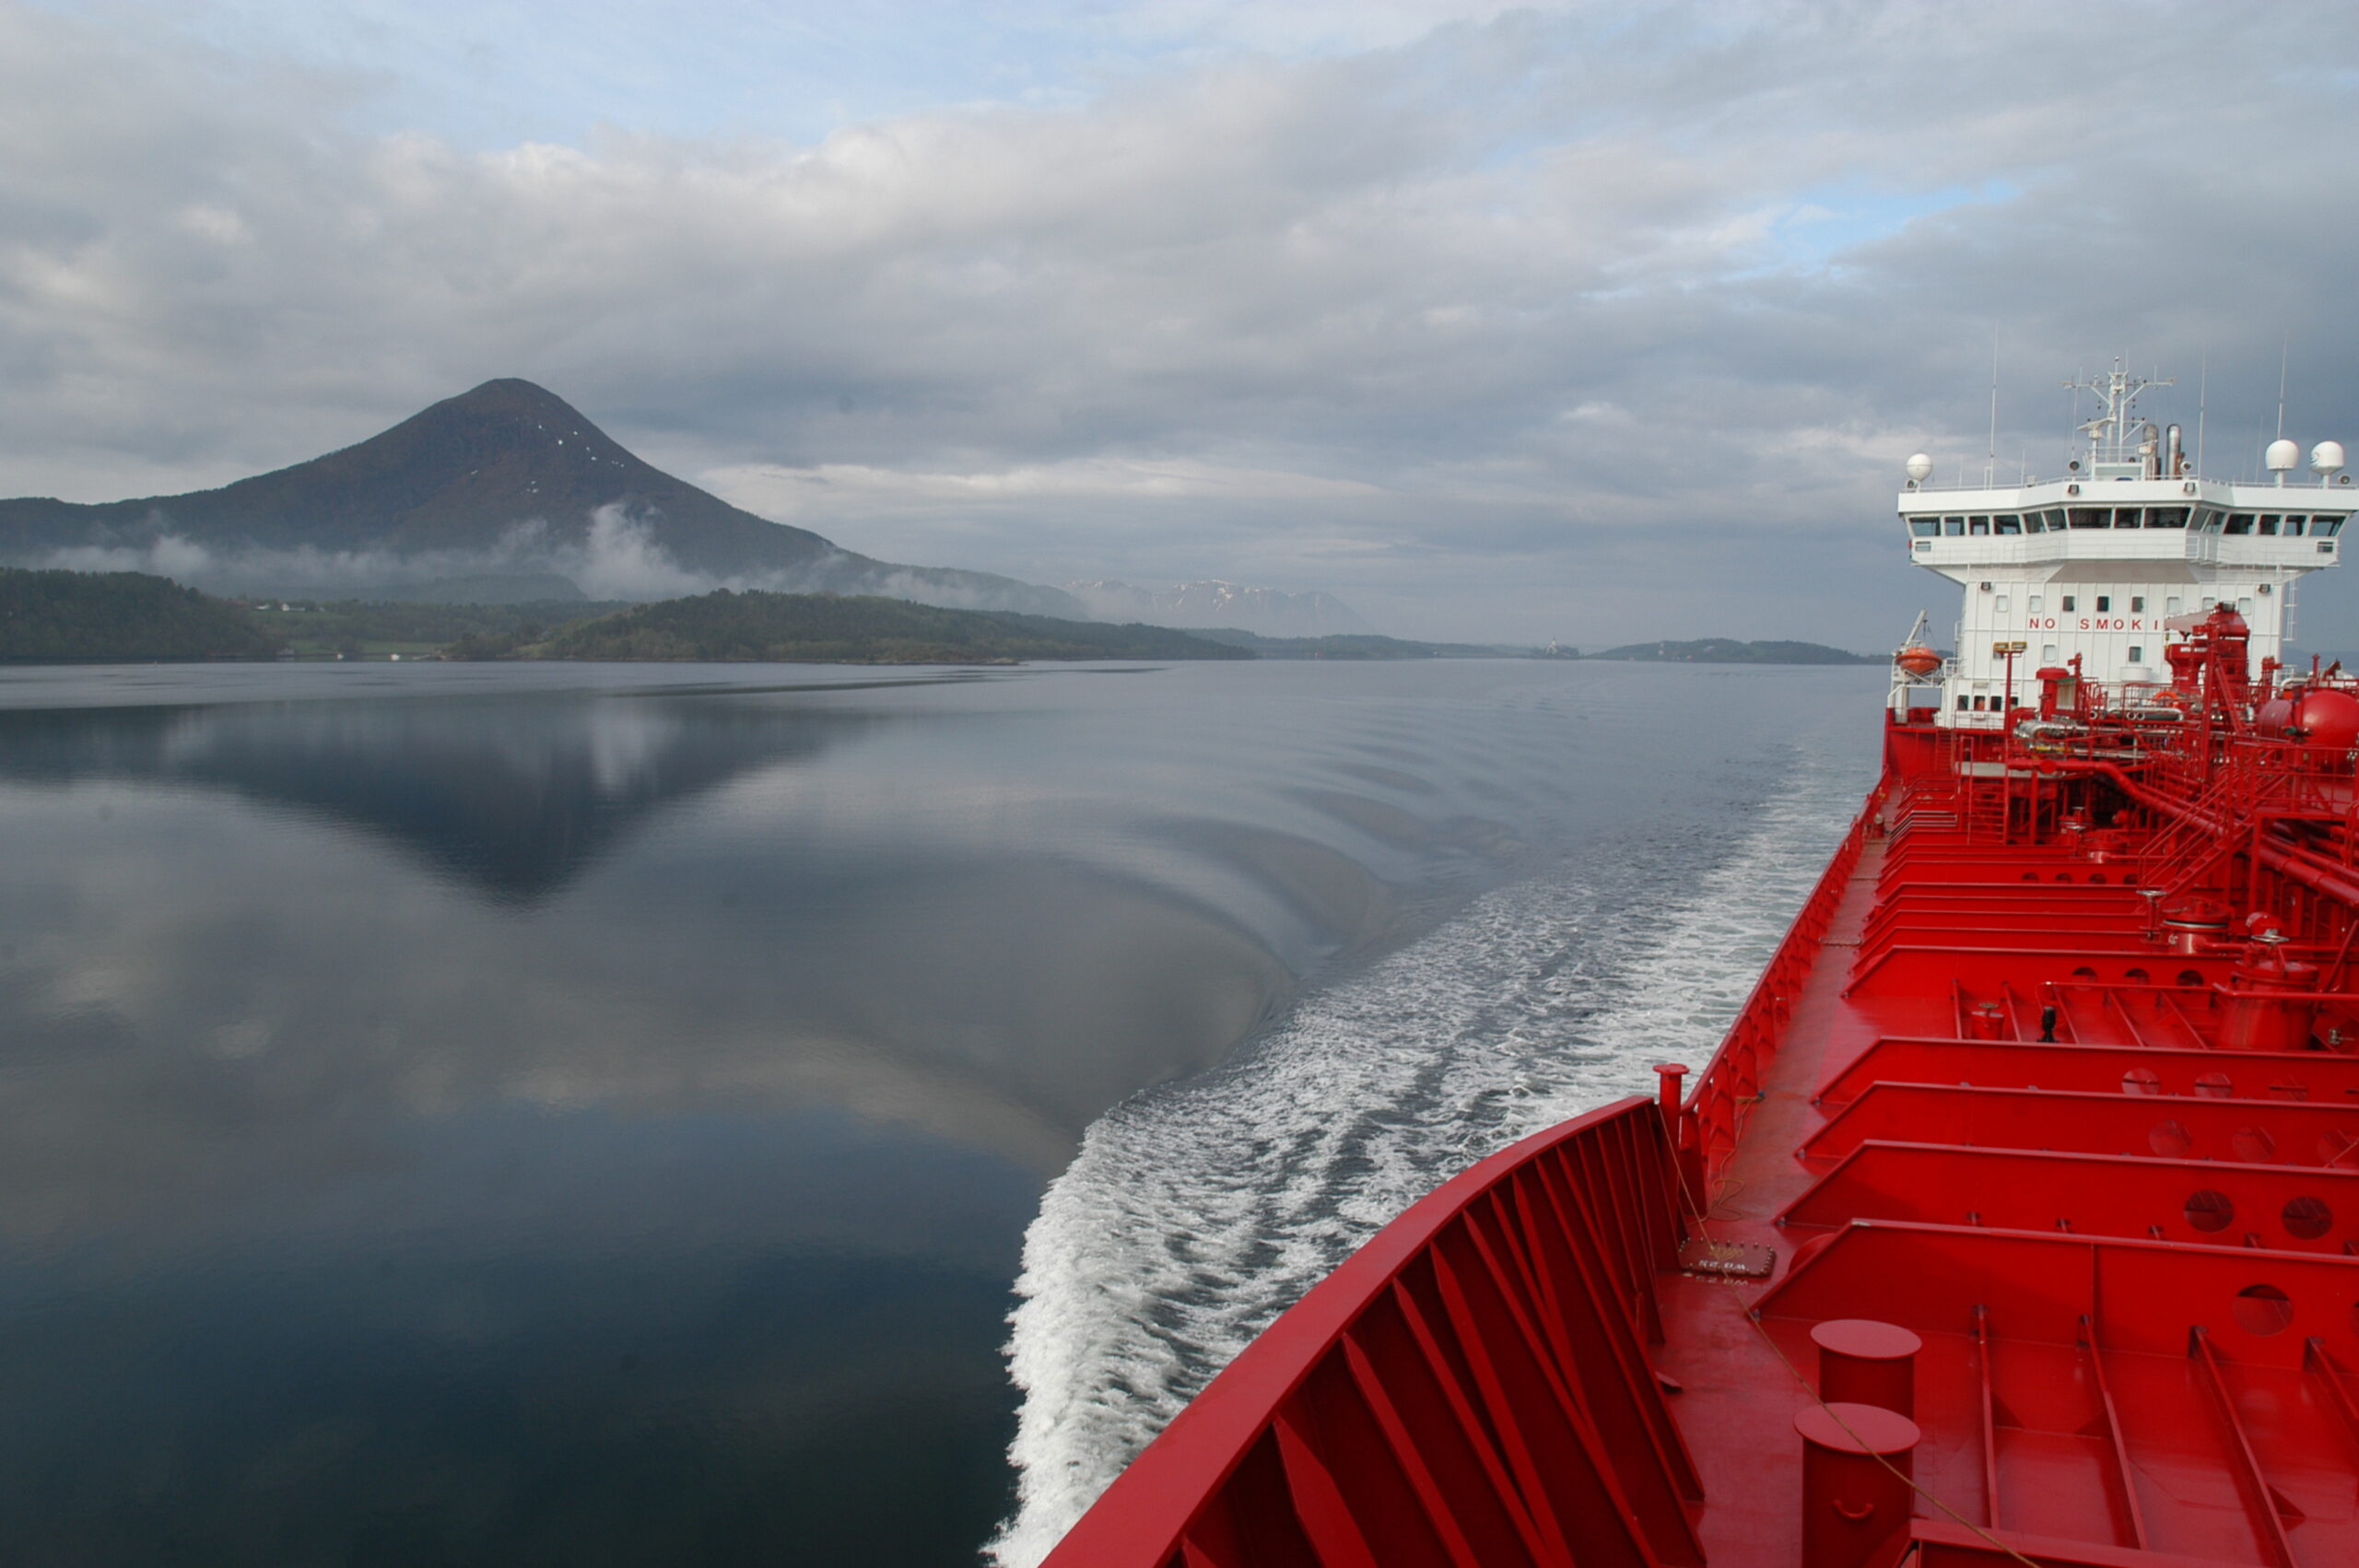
2202 390
1990 464
2285 354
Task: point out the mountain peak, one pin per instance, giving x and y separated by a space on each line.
513 395
505 480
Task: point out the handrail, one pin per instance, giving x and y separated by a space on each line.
1713 1115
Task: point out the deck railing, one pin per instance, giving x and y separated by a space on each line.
1714 1115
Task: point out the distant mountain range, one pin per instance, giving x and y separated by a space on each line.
496 493
1727 651
1266 612
804 628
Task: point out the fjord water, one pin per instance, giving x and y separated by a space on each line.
635 1115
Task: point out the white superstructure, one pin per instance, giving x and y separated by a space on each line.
2093 565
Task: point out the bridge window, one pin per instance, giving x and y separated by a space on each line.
2125 517
2009 524
1925 527
2166 516
2239 522
1955 527
2269 523
2055 515
2293 526
2330 526
1977 525
2090 517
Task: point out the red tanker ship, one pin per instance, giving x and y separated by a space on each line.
2016 1221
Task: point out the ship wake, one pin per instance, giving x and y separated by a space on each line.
1196 1212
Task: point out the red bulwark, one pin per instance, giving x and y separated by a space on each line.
2014 1221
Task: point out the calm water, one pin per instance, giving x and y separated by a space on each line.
485 1115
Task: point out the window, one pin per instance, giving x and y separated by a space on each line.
1955 527
2055 519
2034 523
1961 702
2067 604
2008 524
2269 523
2048 653
2243 606
2170 605
2137 655
2293 527
2209 602
2166 516
2104 603
1925 527
2002 604
1977 525
2035 602
2329 526
1977 705
2326 546
2239 522
2125 517
2204 518
2089 517
2137 603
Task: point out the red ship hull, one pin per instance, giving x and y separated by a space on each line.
2011 1222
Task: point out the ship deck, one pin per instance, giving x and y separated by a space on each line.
2126 1252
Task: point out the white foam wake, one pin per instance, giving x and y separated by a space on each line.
1197 1212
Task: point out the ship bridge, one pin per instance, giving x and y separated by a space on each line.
2090 566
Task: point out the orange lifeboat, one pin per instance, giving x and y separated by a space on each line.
1918 660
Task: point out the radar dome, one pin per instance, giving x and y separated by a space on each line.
2281 455
2325 457
1920 467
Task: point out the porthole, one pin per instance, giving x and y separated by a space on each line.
2085 973
2141 1081
2096 878
2214 1085
2137 977
2262 1309
2208 1211
2168 1139
2253 1145
2289 1089
2190 977
2307 1218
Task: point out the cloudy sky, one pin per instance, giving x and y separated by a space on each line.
1592 321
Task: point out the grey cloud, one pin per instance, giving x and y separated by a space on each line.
1627 315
